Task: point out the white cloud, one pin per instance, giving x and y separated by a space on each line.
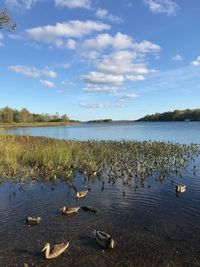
21 4
1 39
15 36
146 47
125 63
177 57
102 78
102 41
102 105
33 72
120 41
71 44
33 45
105 14
94 88
65 65
47 83
73 28
168 7
59 43
123 98
68 83
121 62
74 3
196 62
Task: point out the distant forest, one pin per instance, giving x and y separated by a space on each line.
9 115
176 115
100 121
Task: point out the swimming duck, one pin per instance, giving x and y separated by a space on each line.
89 208
33 221
104 240
81 194
180 188
56 251
69 210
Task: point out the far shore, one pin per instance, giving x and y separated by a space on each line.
37 124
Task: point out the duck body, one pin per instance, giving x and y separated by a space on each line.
180 188
103 239
56 251
69 210
81 194
89 208
33 221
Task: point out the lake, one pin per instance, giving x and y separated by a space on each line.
182 132
151 224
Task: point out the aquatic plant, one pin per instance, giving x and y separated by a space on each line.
39 158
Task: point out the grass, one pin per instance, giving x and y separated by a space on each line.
36 124
39 158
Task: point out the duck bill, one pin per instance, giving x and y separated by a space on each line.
43 249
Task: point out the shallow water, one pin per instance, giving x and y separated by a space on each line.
182 132
151 225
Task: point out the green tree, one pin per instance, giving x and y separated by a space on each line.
64 118
7 115
25 115
6 21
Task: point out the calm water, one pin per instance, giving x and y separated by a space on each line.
151 225
182 132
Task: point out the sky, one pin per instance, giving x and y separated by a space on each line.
100 59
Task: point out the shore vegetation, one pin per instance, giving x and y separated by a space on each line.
23 118
40 158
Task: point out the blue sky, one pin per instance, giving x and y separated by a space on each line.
95 59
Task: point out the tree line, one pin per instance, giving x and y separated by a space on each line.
9 115
176 115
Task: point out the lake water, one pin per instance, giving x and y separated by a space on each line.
151 224
182 132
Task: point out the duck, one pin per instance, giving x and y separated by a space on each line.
69 210
33 220
89 208
56 251
103 239
81 194
180 188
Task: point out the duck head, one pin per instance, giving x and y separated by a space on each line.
63 209
45 247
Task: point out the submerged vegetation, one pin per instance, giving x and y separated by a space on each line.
40 158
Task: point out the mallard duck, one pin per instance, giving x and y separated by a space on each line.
69 210
104 240
81 194
180 188
89 208
56 251
33 221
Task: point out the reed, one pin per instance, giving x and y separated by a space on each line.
24 158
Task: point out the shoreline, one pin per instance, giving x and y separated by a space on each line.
37 124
